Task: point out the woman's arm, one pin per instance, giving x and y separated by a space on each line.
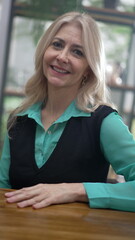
118 146
4 165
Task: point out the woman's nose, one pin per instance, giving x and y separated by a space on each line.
63 56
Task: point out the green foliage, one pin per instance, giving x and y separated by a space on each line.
96 3
117 40
10 103
49 9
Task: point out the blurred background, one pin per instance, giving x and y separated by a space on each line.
22 22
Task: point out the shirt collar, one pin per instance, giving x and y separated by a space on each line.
72 111
34 112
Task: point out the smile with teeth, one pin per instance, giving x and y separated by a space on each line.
59 70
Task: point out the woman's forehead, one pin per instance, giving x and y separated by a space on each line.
72 31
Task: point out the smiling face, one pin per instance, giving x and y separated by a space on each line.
64 61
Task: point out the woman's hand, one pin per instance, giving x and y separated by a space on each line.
43 195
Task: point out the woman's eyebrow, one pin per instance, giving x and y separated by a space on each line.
78 46
74 45
57 38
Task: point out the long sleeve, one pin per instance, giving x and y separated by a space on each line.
118 146
4 165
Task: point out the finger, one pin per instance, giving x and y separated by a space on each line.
10 194
42 204
46 201
16 198
20 196
27 189
26 203
23 194
32 201
17 192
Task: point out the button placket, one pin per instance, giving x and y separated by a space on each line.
49 132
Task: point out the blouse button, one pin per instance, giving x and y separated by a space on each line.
49 132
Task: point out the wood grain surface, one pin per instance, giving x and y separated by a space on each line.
74 221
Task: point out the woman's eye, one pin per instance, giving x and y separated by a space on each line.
57 45
78 53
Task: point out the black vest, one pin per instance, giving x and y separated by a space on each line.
76 158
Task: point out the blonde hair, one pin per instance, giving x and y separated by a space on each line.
94 92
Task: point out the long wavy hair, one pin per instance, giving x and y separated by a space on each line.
94 92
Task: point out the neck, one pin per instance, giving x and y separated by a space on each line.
56 104
58 100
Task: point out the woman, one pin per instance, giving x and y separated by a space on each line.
66 133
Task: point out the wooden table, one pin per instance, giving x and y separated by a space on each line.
74 221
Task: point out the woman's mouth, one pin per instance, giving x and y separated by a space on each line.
59 70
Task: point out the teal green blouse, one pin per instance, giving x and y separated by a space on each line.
117 144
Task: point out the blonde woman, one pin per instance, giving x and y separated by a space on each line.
64 136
